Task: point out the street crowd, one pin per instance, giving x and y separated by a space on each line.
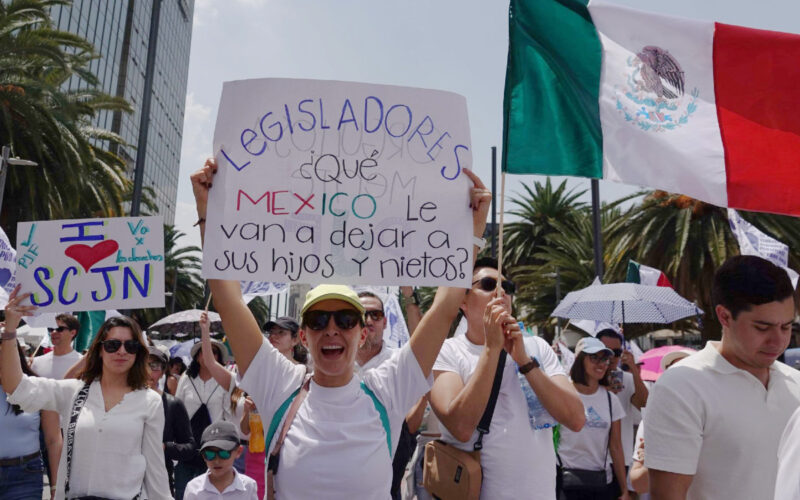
320 407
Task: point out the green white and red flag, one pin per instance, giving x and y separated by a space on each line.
646 275
704 109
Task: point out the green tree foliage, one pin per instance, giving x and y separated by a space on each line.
44 122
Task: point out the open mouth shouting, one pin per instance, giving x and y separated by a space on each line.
332 351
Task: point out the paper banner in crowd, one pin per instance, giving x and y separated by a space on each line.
253 289
566 355
754 242
92 264
8 257
396 332
337 182
593 327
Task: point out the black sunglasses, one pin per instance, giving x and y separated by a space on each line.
489 284
344 318
375 315
600 357
59 329
211 454
617 352
113 345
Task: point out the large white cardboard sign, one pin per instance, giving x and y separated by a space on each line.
325 181
92 264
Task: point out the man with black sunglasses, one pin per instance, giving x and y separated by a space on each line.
55 363
517 459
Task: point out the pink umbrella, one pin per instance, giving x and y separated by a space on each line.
651 360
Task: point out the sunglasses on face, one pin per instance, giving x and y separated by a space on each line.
489 284
600 358
212 454
113 345
156 367
59 329
344 318
617 352
374 315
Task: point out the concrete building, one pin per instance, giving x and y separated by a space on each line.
143 44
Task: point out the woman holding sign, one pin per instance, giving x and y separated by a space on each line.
112 444
340 428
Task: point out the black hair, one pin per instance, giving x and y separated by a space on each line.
489 262
179 362
744 281
194 366
367 293
608 332
578 372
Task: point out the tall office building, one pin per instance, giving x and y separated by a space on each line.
132 37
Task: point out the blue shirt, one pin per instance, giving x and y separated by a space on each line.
20 434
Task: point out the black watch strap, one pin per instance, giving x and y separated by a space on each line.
530 365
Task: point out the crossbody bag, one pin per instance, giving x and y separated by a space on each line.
452 473
583 479
77 405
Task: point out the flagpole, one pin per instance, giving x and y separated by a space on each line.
494 201
598 243
500 231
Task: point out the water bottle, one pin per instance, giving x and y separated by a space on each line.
256 433
538 416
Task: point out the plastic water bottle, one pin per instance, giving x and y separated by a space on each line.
538 416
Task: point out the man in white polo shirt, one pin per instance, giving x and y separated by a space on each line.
714 421
55 363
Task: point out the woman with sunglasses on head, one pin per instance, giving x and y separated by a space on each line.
337 439
585 470
205 390
112 443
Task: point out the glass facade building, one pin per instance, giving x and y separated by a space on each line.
121 33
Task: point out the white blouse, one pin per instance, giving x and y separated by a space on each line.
194 392
117 454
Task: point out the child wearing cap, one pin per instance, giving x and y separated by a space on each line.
220 447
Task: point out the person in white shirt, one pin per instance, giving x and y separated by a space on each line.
220 448
629 388
589 449
205 390
55 363
517 459
338 444
282 334
374 350
714 420
117 450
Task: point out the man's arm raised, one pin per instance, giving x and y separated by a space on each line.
241 327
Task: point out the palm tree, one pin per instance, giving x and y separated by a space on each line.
77 175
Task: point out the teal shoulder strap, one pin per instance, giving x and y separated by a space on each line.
276 420
382 412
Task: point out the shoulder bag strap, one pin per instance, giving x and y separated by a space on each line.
486 419
198 392
610 423
77 406
274 456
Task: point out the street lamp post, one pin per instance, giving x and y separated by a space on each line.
5 162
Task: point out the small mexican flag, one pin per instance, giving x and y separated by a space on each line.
645 275
704 109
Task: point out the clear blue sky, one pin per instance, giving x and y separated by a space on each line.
455 45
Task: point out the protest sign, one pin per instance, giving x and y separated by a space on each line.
324 181
92 264
253 289
7 268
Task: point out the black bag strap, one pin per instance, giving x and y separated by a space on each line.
610 423
486 419
198 393
77 406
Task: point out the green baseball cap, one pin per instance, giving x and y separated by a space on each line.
335 292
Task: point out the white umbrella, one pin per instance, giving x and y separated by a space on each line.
186 322
626 303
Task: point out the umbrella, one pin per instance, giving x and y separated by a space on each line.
626 303
651 360
186 322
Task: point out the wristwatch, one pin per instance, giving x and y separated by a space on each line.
415 298
6 335
530 365
479 242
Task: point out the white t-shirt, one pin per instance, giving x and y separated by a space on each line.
632 417
707 418
242 488
588 448
193 392
787 487
517 461
385 353
118 453
336 447
51 366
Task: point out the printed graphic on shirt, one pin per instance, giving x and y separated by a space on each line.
594 420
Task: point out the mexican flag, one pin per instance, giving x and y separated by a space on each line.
704 109
646 275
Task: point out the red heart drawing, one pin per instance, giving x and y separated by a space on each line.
88 256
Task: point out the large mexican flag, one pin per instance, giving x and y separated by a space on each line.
699 108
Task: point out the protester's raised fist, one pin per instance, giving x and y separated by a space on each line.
201 183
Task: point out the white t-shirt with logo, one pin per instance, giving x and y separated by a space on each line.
709 419
517 461
588 448
51 366
336 446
